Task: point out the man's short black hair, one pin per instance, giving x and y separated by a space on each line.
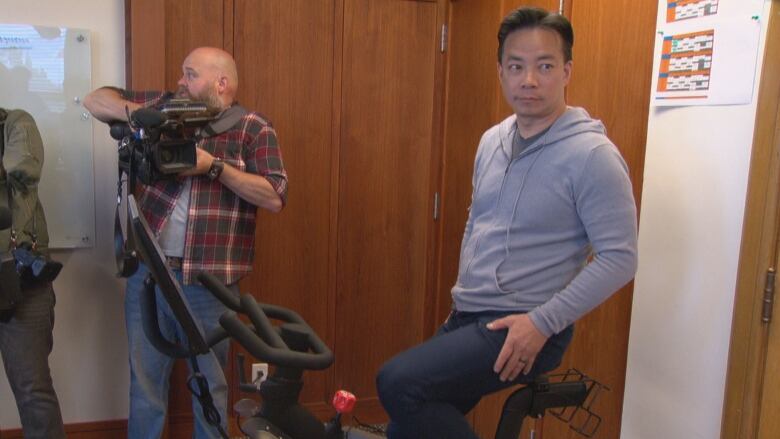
531 17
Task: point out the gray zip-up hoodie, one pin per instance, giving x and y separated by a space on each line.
534 222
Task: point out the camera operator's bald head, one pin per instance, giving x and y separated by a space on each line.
205 67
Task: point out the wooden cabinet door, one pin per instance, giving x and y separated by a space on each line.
384 215
284 50
349 86
160 35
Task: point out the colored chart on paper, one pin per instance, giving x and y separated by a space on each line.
677 10
686 63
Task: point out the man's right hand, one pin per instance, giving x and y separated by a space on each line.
523 342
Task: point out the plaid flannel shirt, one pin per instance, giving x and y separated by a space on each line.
220 234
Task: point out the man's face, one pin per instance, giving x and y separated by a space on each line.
533 74
198 82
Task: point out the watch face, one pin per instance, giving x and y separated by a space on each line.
216 169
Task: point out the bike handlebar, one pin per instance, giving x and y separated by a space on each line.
260 337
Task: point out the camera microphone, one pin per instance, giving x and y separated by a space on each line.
148 118
5 218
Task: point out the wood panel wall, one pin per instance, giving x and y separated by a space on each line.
373 120
356 90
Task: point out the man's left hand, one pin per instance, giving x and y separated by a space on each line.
523 342
202 163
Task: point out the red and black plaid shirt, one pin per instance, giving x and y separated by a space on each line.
220 233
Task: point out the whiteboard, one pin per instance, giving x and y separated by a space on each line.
47 72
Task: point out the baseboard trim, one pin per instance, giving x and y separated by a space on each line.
83 430
180 425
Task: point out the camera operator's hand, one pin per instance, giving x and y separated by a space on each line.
251 187
203 161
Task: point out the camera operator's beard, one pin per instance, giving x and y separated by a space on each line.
211 99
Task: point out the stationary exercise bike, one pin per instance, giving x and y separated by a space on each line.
292 347
568 396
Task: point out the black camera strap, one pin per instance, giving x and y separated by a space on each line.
126 257
3 115
226 120
124 249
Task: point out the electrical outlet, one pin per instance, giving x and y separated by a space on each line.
259 373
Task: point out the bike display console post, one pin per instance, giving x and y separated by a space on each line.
198 343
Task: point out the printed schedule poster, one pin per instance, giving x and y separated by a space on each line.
712 65
686 65
677 10
706 52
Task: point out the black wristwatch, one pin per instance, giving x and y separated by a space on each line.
217 165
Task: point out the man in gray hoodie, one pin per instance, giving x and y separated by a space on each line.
551 234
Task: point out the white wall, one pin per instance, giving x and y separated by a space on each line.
89 361
695 183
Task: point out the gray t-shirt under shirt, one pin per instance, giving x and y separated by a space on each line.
519 144
172 234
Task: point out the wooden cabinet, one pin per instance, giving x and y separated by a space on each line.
374 120
354 89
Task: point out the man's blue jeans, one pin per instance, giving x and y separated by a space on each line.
429 388
25 344
150 370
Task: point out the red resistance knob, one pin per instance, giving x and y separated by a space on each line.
343 401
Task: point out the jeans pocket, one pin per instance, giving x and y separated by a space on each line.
495 337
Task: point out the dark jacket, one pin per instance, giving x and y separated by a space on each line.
20 172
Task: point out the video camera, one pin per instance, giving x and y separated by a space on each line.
159 142
20 268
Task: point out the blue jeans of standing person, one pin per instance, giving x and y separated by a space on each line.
429 388
150 370
25 343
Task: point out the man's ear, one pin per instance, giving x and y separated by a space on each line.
222 84
567 71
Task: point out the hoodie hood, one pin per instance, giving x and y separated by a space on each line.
572 122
